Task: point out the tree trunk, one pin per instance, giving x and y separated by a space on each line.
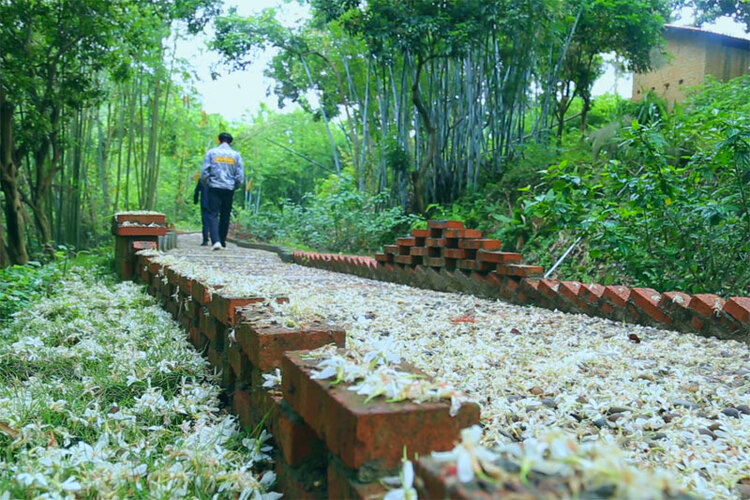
418 175
16 244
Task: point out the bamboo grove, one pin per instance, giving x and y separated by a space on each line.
434 96
85 87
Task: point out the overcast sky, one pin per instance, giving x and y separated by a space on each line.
238 95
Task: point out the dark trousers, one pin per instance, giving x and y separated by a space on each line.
206 223
219 209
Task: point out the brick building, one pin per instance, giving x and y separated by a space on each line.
691 54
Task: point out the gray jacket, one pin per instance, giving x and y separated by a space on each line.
222 168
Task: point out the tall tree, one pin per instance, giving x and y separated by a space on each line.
52 56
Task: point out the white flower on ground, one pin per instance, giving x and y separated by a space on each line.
406 491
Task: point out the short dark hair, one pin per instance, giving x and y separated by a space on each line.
225 137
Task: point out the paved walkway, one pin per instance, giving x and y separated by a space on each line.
671 400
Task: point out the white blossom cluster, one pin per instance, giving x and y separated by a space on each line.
585 466
101 396
375 373
669 402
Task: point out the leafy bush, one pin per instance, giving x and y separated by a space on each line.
670 210
338 219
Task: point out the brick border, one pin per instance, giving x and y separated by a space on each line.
433 259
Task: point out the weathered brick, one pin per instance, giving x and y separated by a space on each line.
307 482
548 288
647 300
391 249
223 308
521 270
239 361
420 251
409 260
436 242
373 432
707 305
420 233
456 253
296 441
439 479
738 308
433 261
480 244
617 295
445 224
213 328
476 265
344 483
202 293
406 242
265 344
498 257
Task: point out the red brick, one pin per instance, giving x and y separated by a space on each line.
202 293
242 407
140 218
697 323
343 483
445 224
476 265
420 251
391 249
439 479
455 253
706 304
570 290
590 293
498 257
409 260
671 301
738 308
435 242
406 242
433 261
647 300
140 230
238 361
454 233
373 432
213 328
522 270
420 233
480 244
295 439
384 257
549 288
616 294
143 245
266 344
307 482
223 308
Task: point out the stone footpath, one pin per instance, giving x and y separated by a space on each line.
667 400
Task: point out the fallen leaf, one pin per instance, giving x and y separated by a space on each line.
634 338
463 319
8 430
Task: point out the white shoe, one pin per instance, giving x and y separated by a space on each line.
217 246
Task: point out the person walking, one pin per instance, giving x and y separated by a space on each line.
200 195
222 172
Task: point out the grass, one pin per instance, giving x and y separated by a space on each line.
101 395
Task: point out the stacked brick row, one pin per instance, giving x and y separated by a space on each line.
448 257
330 442
135 231
448 245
